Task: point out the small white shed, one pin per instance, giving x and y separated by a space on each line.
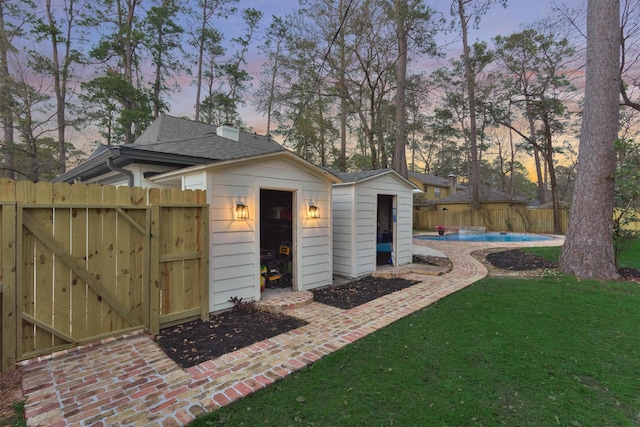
256 204
372 222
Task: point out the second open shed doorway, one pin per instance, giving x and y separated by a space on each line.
386 230
276 238
372 212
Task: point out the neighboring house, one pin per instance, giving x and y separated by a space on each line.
434 187
489 199
260 196
372 221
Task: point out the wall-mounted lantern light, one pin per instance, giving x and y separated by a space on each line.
242 211
314 212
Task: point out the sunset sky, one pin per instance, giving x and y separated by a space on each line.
497 21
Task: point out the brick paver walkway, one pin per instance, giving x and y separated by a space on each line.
130 382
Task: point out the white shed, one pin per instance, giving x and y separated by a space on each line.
256 204
372 222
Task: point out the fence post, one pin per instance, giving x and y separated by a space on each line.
9 298
154 272
204 263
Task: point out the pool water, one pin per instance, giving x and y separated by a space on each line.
492 236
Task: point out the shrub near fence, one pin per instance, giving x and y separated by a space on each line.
634 215
84 262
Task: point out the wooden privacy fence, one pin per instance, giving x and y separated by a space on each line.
83 262
517 219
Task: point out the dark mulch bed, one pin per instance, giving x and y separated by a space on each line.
517 260
197 341
630 273
359 292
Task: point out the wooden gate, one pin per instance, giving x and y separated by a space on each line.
85 262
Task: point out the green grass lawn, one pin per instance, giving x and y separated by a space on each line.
630 257
550 253
538 352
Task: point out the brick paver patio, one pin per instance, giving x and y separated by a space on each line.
130 382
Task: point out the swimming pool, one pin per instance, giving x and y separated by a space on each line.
492 236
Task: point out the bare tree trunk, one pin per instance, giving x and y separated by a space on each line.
158 74
474 168
272 94
323 138
200 59
384 156
588 250
125 34
399 152
512 161
371 134
557 228
536 155
342 158
60 74
6 100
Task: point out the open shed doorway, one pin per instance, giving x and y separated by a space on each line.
276 239
386 220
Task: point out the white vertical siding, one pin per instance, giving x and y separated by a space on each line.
344 248
355 224
390 185
235 243
366 228
404 248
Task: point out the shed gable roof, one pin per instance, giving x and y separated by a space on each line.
356 177
286 155
349 177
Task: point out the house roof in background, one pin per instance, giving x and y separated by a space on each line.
201 139
176 142
486 195
212 147
437 181
173 135
169 128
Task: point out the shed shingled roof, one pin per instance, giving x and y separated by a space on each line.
352 177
